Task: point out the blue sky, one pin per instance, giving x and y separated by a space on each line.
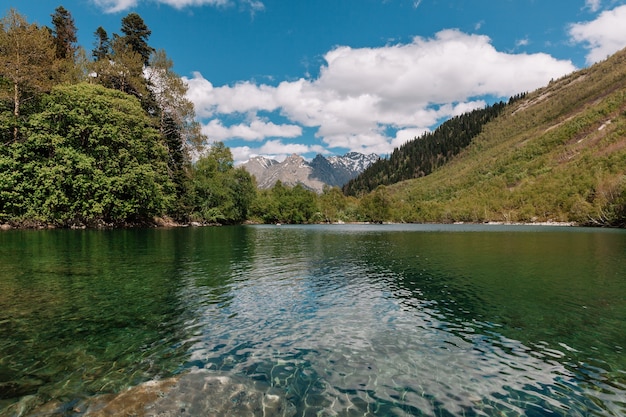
275 77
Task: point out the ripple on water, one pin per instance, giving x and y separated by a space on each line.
334 324
352 349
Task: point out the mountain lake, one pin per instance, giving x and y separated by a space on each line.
316 320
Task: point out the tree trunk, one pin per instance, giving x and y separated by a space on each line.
16 109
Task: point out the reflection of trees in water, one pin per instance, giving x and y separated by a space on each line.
338 320
91 311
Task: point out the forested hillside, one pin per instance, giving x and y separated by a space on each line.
104 138
558 154
422 155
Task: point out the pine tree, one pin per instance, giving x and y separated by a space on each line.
422 155
64 33
136 35
102 45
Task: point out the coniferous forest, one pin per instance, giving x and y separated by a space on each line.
422 155
107 138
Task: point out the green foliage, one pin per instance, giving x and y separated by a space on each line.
71 60
221 193
333 205
375 207
119 63
64 32
136 35
609 197
90 158
102 45
27 65
281 204
12 197
123 71
179 168
83 154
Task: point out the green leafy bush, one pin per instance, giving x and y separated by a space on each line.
91 157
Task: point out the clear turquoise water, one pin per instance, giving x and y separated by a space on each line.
343 320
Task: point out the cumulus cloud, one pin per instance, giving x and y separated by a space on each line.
375 99
274 149
255 130
451 67
240 98
593 5
603 36
179 4
114 6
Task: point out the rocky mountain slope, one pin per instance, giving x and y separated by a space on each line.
314 175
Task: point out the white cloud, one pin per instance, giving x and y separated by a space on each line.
374 99
603 36
241 154
274 149
453 66
253 131
241 98
179 4
254 5
593 5
404 135
114 6
277 147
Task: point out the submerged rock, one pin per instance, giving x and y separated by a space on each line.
197 393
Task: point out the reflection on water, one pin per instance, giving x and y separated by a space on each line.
340 320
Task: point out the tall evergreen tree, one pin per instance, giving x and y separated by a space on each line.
178 168
64 33
102 45
136 35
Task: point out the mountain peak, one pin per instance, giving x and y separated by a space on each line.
314 175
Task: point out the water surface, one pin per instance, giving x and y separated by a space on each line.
341 320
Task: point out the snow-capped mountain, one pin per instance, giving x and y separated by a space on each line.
354 162
314 175
258 165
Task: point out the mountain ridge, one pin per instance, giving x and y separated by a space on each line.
334 171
